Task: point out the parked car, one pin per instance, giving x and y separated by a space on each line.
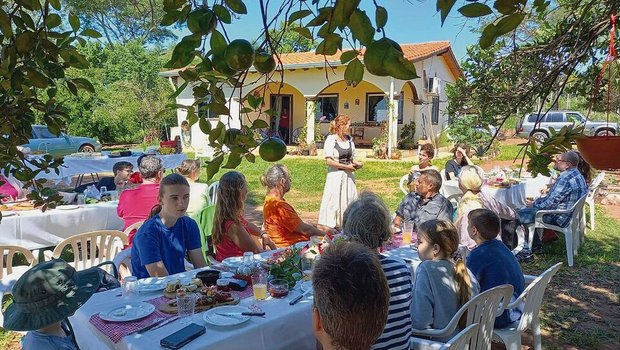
44 140
557 119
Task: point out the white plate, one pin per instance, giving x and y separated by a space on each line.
8 213
306 285
128 312
151 284
225 321
67 207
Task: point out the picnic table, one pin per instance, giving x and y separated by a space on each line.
256 333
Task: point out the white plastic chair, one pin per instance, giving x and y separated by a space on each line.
573 233
403 184
532 298
134 226
462 340
592 195
455 199
481 309
212 192
9 274
92 248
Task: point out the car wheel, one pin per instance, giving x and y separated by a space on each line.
87 149
605 133
540 136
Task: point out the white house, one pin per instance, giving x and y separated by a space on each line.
312 88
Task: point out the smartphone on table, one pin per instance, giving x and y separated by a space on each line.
183 336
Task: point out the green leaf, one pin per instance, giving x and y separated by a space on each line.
84 84
72 88
234 159
445 6
179 90
489 34
509 23
37 78
213 166
55 4
200 21
348 56
217 133
74 21
361 27
25 42
324 14
255 101
170 18
218 42
170 5
91 33
192 118
222 13
5 24
354 72
303 31
330 45
205 125
298 15
237 6
381 17
506 7
343 11
475 10
53 20
259 124
218 109
250 157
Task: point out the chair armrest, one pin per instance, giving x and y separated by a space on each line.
541 213
430 332
529 278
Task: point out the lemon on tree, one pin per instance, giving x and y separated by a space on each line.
384 57
264 62
239 54
272 149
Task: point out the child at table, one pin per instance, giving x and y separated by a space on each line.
442 282
43 299
160 245
492 263
232 233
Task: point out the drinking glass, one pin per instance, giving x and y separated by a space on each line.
129 286
103 189
306 267
186 305
81 199
278 288
259 285
407 233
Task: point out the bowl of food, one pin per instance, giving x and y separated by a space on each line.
278 288
208 277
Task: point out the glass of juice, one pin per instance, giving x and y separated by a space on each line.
259 285
407 233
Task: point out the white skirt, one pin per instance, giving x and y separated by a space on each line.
339 191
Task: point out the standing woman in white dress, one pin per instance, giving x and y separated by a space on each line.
339 188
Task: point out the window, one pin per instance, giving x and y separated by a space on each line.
575 118
45 134
435 111
326 108
401 105
202 111
554 118
533 117
376 108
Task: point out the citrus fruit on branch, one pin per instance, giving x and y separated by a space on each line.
264 62
239 54
272 149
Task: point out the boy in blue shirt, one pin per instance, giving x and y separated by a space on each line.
492 263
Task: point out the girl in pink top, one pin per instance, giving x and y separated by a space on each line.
232 234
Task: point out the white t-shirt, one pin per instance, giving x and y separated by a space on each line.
197 197
329 147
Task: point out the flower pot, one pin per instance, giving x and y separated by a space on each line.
305 152
601 152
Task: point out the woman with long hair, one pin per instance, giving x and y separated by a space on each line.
460 158
160 245
232 233
340 189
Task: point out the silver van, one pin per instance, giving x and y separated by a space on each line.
557 119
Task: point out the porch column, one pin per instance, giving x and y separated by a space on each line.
395 111
390 125
310 108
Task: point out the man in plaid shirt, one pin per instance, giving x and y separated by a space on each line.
564 193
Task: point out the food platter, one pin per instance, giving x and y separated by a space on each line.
206 298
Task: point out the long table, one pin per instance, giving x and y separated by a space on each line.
34 229
513 196
283 327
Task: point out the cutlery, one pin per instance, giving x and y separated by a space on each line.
233 314
298 298
158 323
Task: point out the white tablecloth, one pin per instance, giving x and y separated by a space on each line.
284 326
34 229
104 164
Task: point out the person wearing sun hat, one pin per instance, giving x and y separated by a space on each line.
43 298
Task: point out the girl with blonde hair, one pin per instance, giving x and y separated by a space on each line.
442 282
232 233
340 189
190 170
470 182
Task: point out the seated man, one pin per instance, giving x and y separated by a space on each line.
351 297
564 193
425 203
122 171
492 263
135 204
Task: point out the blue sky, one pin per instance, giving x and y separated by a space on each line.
409 21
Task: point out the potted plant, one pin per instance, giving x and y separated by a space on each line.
396 154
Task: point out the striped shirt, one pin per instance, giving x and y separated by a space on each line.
398 326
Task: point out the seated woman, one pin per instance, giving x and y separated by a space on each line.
470 182
160 245
190 169
460 158
281 221
367 221
11 189
232 234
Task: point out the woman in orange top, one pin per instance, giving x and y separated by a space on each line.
281 221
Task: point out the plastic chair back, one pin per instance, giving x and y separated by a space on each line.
8 252
92 248
533 296
212 192
403 184
205 223
462 340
